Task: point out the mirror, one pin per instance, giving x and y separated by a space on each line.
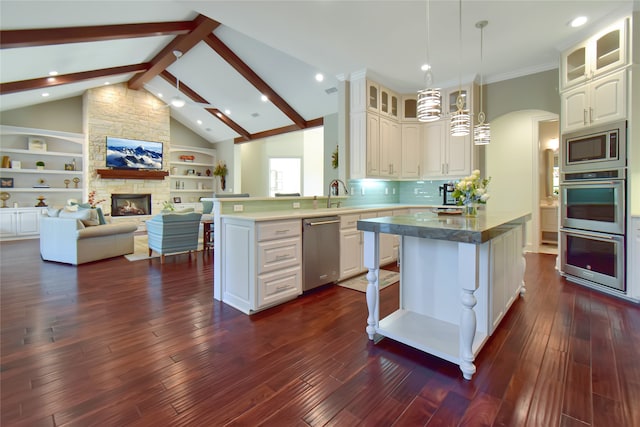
552 173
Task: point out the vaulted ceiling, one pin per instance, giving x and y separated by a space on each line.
233 52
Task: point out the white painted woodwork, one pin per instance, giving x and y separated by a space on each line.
412 141
598 55
452 294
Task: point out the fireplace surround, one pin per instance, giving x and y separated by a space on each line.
130 204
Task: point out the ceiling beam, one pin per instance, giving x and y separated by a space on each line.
279 131
202 27
44 82
241 67
10 39
194 96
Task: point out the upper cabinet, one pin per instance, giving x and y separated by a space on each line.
598 55
410 108
389 104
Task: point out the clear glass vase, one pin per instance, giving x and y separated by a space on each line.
471 210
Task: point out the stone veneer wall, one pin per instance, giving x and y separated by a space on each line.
116 110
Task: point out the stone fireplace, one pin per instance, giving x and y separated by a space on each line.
130 204
116 110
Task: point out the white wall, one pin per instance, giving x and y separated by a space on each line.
510 161
314 161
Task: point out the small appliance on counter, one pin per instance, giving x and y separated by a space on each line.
446 191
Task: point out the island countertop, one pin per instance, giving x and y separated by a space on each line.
456 228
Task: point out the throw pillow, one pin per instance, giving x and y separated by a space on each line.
83 215
53 212
101 219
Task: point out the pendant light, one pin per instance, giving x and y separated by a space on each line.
461 120
429 101
481 131
177 101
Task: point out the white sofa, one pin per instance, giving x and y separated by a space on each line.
68 240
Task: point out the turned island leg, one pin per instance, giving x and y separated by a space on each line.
371 261
468 259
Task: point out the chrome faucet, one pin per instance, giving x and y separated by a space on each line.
335 181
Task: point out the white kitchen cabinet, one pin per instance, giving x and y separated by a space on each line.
262 265
390 141
445 156
20 223
373 144
412 141
604 52
549 224
409 109
505 278
63 156
191 172
373 96
598 101
351 245
389 103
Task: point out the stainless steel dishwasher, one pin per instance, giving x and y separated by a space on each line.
320 251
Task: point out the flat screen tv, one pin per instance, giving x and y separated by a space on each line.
133 154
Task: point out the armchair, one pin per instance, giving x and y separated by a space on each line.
173 232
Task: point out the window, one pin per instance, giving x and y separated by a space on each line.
284 175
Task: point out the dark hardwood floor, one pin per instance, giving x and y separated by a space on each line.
116 343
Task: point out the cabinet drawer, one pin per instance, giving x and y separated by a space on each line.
279 285
276 254
278 229
348 221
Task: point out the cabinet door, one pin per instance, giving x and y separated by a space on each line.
28 222
8 226
373 145
387 243
498 281
609 49
574 66
607 99
458 162
411 150
433 153
573 114
409 108
373 96
358 145
389 148
350 253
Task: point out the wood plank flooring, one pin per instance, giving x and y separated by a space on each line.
116 343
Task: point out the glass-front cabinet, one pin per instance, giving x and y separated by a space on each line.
599 54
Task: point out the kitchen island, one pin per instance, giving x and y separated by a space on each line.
458 277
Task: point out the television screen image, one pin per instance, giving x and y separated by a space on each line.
133 154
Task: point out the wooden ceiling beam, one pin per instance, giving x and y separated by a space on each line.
195 97
44 82
279 131
203 26
241 67
10 39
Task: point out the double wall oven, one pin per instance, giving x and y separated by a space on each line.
593 206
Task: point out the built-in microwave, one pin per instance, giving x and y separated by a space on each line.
595 148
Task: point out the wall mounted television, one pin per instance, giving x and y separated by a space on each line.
125 153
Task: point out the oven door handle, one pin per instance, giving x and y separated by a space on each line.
592 235
590 183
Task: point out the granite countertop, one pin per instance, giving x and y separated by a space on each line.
457 228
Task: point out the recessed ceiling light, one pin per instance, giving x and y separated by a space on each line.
227 112
319 77
159 95
53 73
425 67
199 122
579 21
45 94
106 83
264 98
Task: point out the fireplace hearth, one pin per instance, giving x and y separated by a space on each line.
130 204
